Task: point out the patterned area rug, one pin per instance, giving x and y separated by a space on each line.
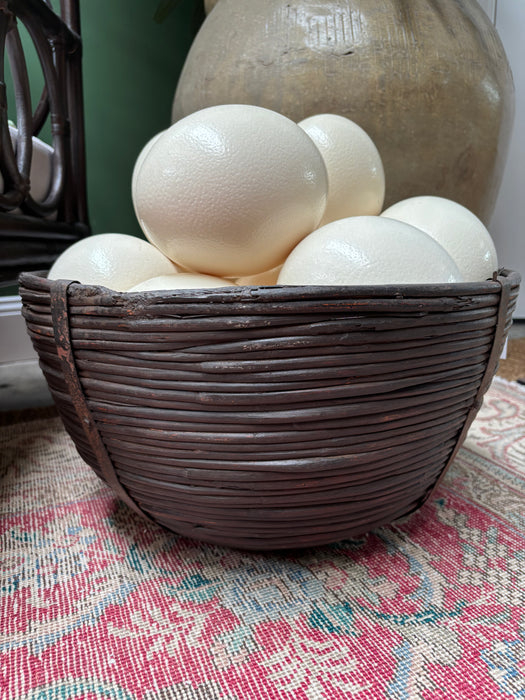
513 366
96 603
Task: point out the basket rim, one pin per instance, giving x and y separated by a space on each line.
263 293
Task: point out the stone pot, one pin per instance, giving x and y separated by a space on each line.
427 79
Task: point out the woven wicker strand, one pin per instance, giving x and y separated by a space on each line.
270 417
60 316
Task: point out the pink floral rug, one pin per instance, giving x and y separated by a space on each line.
96 603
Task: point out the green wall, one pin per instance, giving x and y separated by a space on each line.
131 65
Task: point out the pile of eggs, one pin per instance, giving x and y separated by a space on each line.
242 195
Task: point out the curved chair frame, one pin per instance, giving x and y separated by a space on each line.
33 234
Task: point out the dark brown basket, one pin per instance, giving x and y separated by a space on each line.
270 417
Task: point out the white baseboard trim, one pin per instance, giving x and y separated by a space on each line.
15 344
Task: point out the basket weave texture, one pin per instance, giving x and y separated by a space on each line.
270 417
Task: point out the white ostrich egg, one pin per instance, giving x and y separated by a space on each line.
230 190
356 178
454 227
269 277
182 280
114 260
368 250
140 159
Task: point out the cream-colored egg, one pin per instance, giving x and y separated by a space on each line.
140 159
230 190
269 277
454 227
368 250
114 260
182 280
356 177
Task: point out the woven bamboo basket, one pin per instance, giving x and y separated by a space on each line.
270 417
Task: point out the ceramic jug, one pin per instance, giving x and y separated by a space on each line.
427 79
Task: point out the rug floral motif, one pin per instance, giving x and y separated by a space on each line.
97 603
